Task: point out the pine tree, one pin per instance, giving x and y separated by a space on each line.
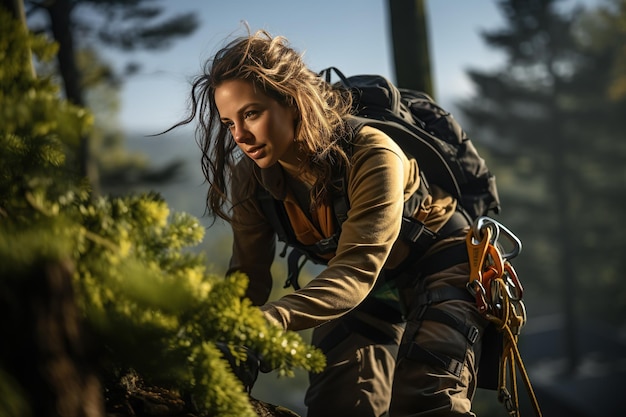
547 116
103 292
122 24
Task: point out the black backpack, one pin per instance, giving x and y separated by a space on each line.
428 133
445 155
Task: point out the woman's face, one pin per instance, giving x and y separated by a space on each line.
263 128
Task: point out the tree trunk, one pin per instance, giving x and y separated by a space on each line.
46 353
563 190
60 12
409 34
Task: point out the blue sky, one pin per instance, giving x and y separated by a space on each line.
352 35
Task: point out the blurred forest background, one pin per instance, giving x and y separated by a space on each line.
550 121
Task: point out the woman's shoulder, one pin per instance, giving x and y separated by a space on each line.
243 179
369 139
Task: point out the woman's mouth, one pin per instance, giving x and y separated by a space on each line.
256 152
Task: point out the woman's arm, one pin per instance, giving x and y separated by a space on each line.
376 185
254 240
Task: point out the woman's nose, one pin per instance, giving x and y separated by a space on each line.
240 133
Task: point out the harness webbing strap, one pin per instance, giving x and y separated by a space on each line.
295 263
471 333
417 265
424 311
440 294
416 232
418 353
340 200
381 310
273 211
351 325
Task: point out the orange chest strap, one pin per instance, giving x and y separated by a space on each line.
310 231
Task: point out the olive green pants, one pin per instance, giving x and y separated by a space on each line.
359 369
437 367
426 367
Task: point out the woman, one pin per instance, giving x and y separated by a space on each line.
266 120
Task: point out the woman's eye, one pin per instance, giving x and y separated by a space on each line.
250 114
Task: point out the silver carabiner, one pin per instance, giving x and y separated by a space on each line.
483 222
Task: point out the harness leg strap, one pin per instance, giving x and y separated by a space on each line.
471 333
418 353
424 311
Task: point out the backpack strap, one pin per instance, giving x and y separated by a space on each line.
340 202
412 230
299 254
276 214
273 212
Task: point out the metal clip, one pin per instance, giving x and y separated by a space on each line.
476 287
477 252
483 224
505 398
487 223
496 260
519 312
493 269
514 287
496 295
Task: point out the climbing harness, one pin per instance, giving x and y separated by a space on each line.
498 294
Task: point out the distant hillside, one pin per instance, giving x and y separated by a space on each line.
187 192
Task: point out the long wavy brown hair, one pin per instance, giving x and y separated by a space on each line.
280 72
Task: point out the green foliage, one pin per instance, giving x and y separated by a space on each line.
83 27
13 403
606 31
29 108
147 299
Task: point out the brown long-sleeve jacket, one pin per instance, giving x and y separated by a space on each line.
380 179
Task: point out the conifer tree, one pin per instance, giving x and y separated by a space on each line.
548 116
102 292
122 24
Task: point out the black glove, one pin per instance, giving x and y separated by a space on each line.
246 370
